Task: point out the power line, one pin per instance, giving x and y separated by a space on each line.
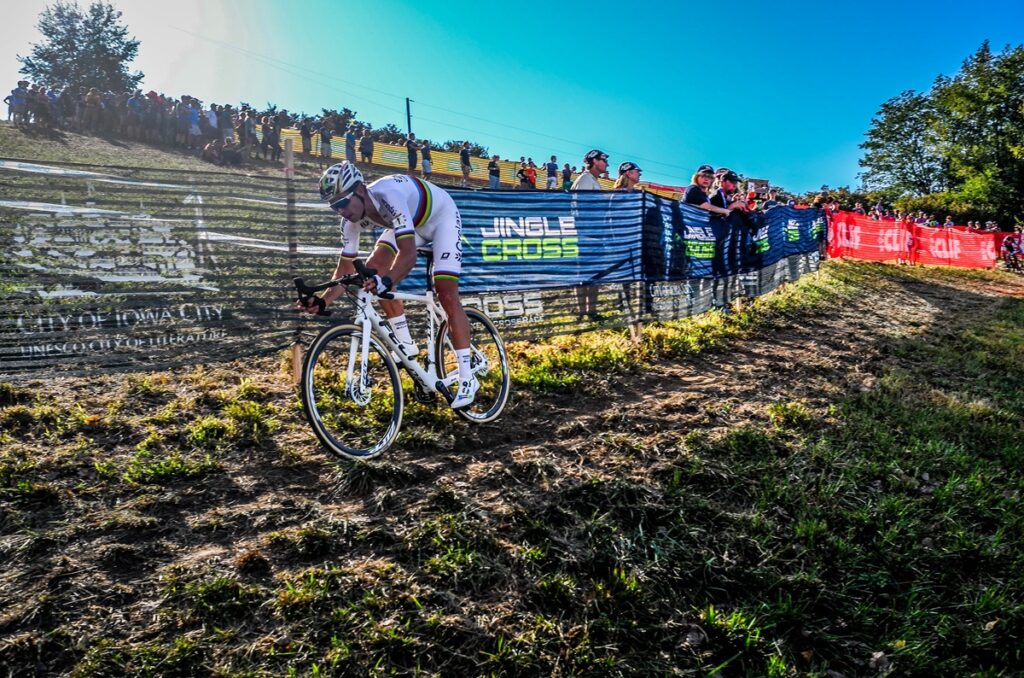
305 73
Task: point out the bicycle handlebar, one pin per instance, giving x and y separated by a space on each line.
307 294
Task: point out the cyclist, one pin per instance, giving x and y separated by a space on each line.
413 213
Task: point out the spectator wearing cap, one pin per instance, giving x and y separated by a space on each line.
366 146
629 176
427 165
465 163
772 201
697 192
524 180
350 144
595 163
552 167
494 172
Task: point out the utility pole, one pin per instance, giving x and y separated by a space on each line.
408 116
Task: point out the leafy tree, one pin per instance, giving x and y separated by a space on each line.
983 125
389 134
475 150
901 147
88 49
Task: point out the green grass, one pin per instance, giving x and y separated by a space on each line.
802 533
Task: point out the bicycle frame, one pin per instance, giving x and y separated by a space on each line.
368 318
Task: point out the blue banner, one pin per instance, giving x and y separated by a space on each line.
530 240
684 242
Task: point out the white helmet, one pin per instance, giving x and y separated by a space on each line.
339 179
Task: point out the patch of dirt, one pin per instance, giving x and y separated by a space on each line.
104 554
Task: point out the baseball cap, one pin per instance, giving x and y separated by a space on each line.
628 166
728 175
705 169
594 154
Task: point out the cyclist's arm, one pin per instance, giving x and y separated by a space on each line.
405 237
349 251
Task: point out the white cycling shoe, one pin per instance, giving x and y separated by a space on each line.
466 394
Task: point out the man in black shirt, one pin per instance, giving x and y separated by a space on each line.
411 146
494 172
467 166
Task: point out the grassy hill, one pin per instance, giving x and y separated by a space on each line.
826 482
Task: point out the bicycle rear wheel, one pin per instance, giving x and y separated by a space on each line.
354 407
489 363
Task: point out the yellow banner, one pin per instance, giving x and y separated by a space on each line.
444 163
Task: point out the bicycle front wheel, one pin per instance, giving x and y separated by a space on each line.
352 401
489 363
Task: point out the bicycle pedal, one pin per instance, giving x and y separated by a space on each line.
422 395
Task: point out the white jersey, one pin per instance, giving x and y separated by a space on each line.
411 208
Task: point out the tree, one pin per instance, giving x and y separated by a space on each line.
983 126
901 150
390 134
87 49
475 150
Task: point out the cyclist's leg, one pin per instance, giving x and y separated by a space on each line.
383 254
447 246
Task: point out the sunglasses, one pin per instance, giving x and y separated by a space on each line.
341 203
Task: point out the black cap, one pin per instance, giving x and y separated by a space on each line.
705 169
628 166
729 176
594 154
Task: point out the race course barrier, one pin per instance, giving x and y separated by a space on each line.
120 268
854 235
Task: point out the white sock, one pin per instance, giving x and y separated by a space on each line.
465 372
401 328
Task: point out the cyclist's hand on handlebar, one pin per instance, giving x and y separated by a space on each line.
377 285
312 304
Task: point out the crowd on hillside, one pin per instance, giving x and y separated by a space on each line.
228 135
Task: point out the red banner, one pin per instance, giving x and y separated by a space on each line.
854 235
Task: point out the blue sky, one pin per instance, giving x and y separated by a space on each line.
782 90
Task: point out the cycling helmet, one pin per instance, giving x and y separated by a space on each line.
339 179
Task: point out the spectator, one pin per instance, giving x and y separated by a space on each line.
858 208
366 146
494 172
411 147
566 177
524 179
231 154
227 130
531 173
428 166
696 193
91 121
212 152
464 161
325 143
350 144
213 123
948 223
306 135
552 167
596 164
772 201
629 176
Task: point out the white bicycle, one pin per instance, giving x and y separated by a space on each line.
351 387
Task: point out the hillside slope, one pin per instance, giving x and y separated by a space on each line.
833 485
826 482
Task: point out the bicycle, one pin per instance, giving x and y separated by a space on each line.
351 389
